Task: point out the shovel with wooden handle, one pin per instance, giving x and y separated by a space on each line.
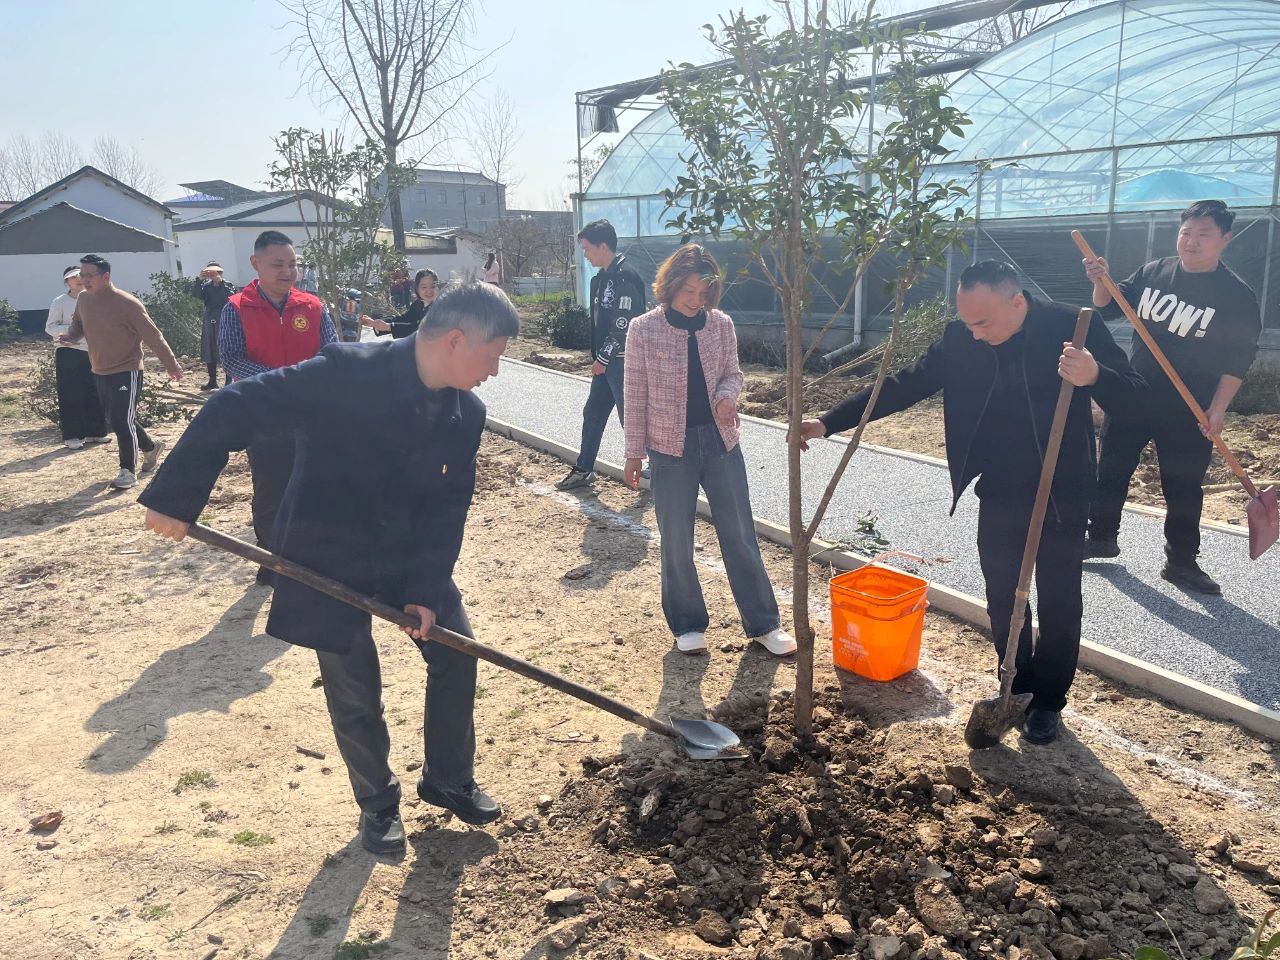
991 719
701 739
1263 510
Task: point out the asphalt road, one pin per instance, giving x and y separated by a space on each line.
1231 642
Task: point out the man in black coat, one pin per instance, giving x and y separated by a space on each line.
998 368
387 436
213 292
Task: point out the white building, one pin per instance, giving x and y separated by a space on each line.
227 234
85 212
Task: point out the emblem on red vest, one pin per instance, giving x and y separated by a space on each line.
300 322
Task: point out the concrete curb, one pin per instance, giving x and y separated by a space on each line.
1182 691
1220 527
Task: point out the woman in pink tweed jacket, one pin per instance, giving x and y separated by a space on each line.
681 397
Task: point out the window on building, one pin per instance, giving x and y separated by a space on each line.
444 197
420 195
482 201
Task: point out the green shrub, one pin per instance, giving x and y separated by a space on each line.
41 399
176 311
564 324
10 328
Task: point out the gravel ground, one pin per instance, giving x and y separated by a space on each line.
1227 642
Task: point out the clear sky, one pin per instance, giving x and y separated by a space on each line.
201 87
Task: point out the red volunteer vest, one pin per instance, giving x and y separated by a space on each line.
276 339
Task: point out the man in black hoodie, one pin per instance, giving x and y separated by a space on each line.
617 297
999 369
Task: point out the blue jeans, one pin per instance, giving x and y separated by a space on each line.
723 475
606 393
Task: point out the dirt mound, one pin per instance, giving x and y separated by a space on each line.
832 849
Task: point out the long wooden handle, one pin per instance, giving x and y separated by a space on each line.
1136 321
439 634
1009 668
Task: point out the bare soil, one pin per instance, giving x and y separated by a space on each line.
1255 438
149 709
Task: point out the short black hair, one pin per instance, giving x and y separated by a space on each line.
1215 210
271 238
600 231
995 274
475 308
92 259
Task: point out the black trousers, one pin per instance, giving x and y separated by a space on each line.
270 464
1047 670
79 408
119 395
1184 454
353 693
606 393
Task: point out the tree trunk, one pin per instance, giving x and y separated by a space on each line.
793 313
393 202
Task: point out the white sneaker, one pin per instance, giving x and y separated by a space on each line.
692 642
73 444
150 457
124 480
97 439
778 642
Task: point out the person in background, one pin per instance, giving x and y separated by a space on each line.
80 415
401 292
425 287
349 314
268 325
682 387
115 325
1205 319
492 271
617 295
212 291
310 282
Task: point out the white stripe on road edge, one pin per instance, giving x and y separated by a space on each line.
820 610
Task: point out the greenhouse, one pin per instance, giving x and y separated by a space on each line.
1110 120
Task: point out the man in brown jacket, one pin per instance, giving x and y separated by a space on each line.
114 325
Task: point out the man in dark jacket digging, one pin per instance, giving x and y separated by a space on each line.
378 500
999 368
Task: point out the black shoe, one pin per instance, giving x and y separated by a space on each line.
211 385
1188 575
1095 548
266 578
382 832
576 478
1041 726
469 804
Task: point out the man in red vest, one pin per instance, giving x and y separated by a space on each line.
267 325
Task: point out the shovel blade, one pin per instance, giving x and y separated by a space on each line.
991 719
708 740
1264 522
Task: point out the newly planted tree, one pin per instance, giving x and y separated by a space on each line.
812 171
340 203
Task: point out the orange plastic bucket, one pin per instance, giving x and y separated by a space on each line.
877 617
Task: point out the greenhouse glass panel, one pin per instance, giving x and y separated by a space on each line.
1239 171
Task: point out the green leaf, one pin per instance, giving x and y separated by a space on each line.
1150 953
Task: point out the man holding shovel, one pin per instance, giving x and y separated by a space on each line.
1205 319
999 369
397 541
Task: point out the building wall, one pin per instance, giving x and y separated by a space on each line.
90 193
441 205
198 247
31 281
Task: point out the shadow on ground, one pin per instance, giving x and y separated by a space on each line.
211 673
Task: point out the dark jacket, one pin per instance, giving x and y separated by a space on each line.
380 489
213 296
617 298
964 369
406 325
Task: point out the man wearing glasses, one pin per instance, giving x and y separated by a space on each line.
1206 321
